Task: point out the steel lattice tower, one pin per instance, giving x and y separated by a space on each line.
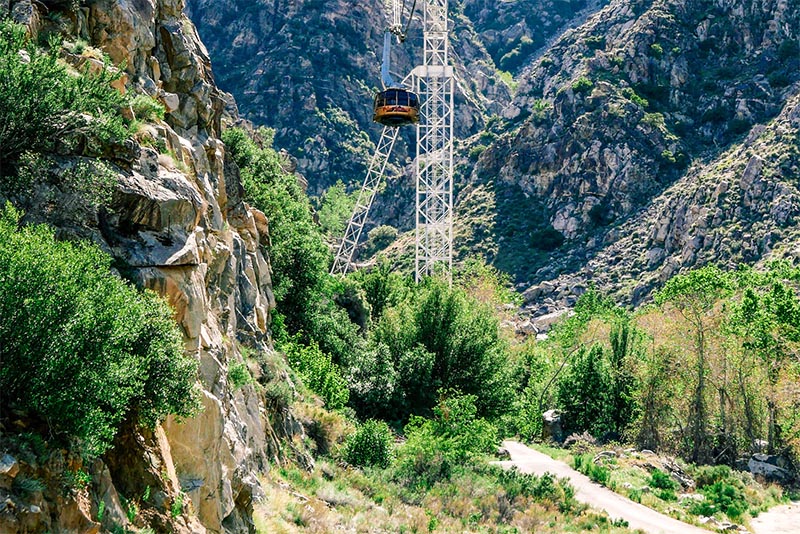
434 83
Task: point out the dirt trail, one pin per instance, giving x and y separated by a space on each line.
638 517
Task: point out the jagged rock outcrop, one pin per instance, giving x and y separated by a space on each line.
613 114
177 225
741 207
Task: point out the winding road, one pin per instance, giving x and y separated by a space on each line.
779 520
618 507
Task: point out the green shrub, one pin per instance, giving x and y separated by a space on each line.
544 488
656 51
380 237
586 465
659 479
81 348
43 106
371 445
582 85
720 496
708 475
436 447
318 372
239 375
147 109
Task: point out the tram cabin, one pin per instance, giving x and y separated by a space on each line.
396 107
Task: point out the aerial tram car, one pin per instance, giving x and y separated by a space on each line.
395 106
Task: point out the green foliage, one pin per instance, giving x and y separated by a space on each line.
631 95
43 106
597 473
371 445
583 393
659 479
436 447
545 488
789 49
723 497
81 348
379 238
582 85
177 505
146 108
656 51
463 337
298 254
318 372
334 209
77 480
239 375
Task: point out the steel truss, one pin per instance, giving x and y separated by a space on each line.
433 81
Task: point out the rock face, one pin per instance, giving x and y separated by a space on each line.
177 225
618 113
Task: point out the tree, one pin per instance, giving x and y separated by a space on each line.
694 296
81 349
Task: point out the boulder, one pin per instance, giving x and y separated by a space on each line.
551 426
772 467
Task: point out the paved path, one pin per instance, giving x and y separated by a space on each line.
638 516
779 520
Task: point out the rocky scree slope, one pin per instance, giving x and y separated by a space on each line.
611 117
177 224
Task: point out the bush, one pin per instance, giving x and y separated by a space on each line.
723 497
318 372
597 473
147 109
582 85
436 447
371 445
43 106
661 480
239 375
81 348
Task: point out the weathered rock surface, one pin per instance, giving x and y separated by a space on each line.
177 225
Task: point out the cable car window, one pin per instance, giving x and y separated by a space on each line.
402 98
413 100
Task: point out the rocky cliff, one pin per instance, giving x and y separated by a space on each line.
176 224
624 110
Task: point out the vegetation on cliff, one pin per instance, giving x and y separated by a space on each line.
82 350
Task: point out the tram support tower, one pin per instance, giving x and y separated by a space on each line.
433 81
429 104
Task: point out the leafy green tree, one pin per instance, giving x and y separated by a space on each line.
82 350
44 107
583 393
334 209
694 295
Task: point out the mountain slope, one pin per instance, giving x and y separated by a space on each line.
613 114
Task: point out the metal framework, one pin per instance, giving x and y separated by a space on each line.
377 166
434 83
